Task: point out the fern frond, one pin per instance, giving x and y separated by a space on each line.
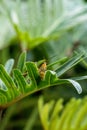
72 116
25 79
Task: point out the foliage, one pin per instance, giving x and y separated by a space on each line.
26 79
57 116
20 18
61 26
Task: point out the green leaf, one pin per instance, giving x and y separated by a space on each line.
54 116
79 78
45 109
69 64
51 79
28 25
19 79
62 60
21 84
76 85
21 61
73 115
66 21
6 77
33 73
8 67
8 81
